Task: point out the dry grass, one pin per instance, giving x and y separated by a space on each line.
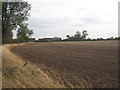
20 74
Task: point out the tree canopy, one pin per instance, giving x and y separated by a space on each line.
78 36
14 17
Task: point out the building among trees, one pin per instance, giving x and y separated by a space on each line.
46 39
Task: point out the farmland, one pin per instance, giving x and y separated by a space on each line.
85 64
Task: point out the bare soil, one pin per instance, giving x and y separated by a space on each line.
85 64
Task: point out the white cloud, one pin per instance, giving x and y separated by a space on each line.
61 17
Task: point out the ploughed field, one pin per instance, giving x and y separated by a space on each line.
85 64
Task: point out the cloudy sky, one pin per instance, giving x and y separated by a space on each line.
51 18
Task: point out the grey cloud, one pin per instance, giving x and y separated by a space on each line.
44 27
48 22
83 9
78 25
41 23
90 20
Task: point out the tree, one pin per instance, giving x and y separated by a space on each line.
24 33
14 14
57 39
84 34
77 36
68 36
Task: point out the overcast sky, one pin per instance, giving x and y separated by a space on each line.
51 18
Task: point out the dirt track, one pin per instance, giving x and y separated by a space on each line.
76 64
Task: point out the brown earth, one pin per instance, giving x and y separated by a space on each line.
86 64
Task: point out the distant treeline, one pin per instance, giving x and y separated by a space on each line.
88 39
76 37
